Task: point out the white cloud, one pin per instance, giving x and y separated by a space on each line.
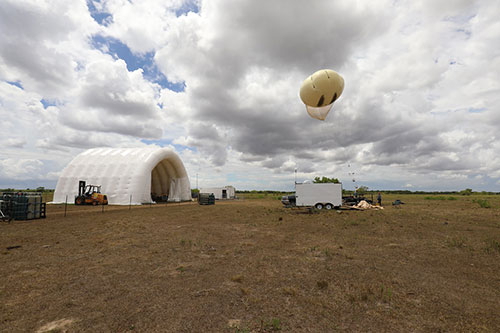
42 43
420 105
142 25
112 99
20 168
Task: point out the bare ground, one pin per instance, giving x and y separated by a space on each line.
253 266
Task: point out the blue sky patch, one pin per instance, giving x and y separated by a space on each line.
16 83
164 83
232 177
478 110
47 102
466 32
188 6
104 18
165 143
117 49
100 17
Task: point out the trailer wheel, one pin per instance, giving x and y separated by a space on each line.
318 206
328 206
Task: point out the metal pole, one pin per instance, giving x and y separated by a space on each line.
295 177
65 206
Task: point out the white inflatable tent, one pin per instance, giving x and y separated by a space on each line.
127 175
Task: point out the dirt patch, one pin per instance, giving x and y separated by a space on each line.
254 266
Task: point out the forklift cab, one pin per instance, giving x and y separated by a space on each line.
91 189
87 190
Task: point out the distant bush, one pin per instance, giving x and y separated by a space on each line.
435 198
483 203
440 198
271 195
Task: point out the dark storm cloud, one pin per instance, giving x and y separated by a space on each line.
304 35
209 141
273 163
250 63
298 38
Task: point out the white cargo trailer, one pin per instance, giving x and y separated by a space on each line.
319 195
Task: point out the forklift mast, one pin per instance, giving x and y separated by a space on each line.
81 187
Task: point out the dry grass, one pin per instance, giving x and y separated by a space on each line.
253 266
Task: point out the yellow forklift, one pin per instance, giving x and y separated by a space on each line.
90 195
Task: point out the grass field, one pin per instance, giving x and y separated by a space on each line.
432 265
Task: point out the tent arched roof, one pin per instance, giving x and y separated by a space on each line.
127 175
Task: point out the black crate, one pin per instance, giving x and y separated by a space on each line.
206 199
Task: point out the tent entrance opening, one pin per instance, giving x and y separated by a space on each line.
162 177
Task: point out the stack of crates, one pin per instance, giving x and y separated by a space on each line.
23 205
206 199
5 208
20 207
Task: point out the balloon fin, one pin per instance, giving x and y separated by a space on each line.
319 113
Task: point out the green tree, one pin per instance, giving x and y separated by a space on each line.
325 180
467 191
362 190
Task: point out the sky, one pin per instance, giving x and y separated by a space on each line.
218 81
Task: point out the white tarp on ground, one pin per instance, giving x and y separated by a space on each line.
125 174
365 205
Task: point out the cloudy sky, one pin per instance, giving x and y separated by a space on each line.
218 81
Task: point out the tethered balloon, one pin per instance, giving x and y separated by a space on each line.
319 91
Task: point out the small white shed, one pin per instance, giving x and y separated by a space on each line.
226 192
